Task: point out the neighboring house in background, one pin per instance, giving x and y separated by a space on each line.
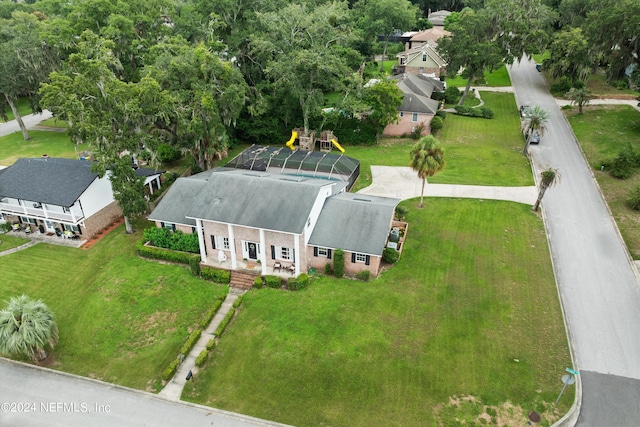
152 178
437 18
55 195
422 59
270 222
417 105
430 37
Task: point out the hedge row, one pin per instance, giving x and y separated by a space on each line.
175 240
164 254
238 301
484 112
212 312
190 342
300 282
211 344
215 275
168 373
273 281
225 322
202 357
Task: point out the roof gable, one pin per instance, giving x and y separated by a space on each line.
47 180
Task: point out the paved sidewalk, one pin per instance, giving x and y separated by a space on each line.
18 248
173 389
403 183
29 120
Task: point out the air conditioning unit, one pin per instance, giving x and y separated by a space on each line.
37 205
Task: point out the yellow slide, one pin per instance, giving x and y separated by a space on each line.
294 135
338 146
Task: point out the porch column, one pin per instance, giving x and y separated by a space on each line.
151 187
232 247
44 211
203 249
158 181
296 253
263 256
73 215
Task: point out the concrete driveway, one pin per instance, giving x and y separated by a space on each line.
29 120
403 183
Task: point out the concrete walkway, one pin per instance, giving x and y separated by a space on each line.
173 389
403 183
18 248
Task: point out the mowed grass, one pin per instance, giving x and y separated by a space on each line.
54 144
477 151
602 132
121 318
9 242
499 77
471 309
23 106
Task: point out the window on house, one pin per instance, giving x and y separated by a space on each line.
193 230
285 253
424 57
403 61
323 251
169 225
414 117
69 227
224 243
361 258
401 113
28 220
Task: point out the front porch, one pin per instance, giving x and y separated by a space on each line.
251 267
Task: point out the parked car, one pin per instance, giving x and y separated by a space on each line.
524 111
535 139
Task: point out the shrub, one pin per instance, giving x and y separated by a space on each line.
390 255
417 130
436 124
300 282
174 240
441 113
273 281
338 263
633 198
190 342
164 254
211 344
464 110
216 275
212 312
202 357
452 94
167 153
401 212
170 371
238 301
6 227
257 282
487 112
364 275
222 326
622 166
194 266
561 87
327 269
438 96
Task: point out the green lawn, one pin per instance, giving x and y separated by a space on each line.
23 106
598 86
55 144
470 310
9 241
602 132
477 151
499 77
121 318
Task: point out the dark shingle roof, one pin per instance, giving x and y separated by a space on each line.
53 181
177 201
355 223
257 199
147 172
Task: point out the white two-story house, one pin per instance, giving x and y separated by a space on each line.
51 195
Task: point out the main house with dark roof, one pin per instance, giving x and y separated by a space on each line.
53 195
265 222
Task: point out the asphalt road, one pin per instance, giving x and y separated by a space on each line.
597 282
29 120
40 397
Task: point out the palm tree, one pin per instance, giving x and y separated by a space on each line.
535 120
580 97
27 328
548 178
427 158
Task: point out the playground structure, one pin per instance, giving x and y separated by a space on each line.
307 142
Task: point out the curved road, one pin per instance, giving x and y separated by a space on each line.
597 282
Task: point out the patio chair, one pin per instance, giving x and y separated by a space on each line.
58 232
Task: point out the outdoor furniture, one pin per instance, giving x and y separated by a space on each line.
222 257
67 234
58 232
292 268
277 265
27 229
15 227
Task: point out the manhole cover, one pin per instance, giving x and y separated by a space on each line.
534 416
